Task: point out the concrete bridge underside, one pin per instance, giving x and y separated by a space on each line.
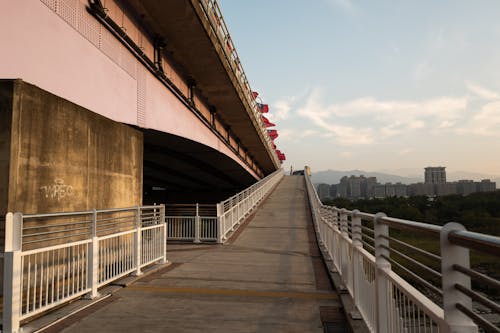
178 170
188 125
269 278
58 156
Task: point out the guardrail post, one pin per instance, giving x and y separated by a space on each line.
162 221
93 259
343 255
343 222
452 254
12 272
219 223
335 219
138 241
382 291
357 245
197 224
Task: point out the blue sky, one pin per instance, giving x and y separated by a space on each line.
376 85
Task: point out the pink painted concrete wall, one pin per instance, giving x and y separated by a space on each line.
58 46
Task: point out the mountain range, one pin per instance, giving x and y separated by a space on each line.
333 176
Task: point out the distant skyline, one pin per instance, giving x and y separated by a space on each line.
378 86
405 176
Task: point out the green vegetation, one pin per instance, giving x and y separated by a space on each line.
478 212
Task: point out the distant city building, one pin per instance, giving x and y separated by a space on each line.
379 191
356 187
421 189
334 191
390 190
466 187
369 187
323 191
435 175
445 189
401 190
361 187
342 188
486 186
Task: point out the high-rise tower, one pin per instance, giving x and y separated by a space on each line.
435 175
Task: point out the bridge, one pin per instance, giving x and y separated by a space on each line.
113 94
108 108
288 263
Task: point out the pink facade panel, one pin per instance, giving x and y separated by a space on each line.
59 47
49 53
203 109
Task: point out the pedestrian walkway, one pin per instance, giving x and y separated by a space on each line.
268 278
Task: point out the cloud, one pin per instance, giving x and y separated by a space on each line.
346 154
422 70
368 120
441 107
307 133
346 5
406 151
482 92
484 123
281 109
321 117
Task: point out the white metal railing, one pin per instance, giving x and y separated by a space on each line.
214 16
393 284
192 222
53 258
234 210
190 225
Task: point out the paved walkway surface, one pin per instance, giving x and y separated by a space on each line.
269 278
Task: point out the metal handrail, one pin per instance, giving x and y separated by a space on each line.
476 241
61 272
473 240
234 210
215 18
455 243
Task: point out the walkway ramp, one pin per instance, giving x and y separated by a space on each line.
268 278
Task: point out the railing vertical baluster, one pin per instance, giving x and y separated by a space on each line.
164 241
382 291
220 219
456 321
93 258
138 242
343 249
356 256
12 272
197 225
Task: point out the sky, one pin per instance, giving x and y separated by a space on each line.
376 85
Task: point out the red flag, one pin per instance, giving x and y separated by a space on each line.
280 155
254 94
267 123
273 134
263 108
